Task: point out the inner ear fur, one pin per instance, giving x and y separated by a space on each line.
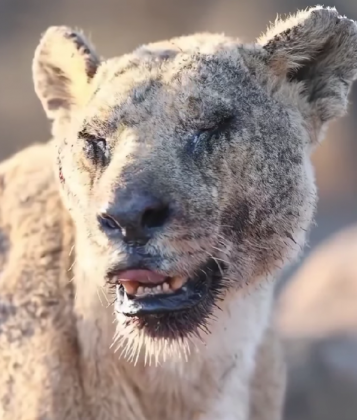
318 48
63 66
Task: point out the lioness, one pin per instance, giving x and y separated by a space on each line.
182 184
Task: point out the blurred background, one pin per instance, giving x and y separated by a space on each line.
317 298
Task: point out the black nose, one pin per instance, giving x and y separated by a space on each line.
137 215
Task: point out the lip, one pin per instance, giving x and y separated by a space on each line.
141 276
192 293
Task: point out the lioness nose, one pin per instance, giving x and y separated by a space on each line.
137 215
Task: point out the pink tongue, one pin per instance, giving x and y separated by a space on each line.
141 276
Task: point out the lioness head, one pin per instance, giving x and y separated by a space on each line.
185 165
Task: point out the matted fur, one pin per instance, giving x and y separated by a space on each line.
243 195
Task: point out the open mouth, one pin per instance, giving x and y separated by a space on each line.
143 292
145 282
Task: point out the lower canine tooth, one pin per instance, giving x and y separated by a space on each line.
176 283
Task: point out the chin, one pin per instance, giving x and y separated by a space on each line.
155 308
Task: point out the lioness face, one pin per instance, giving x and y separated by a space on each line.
187 167
195 182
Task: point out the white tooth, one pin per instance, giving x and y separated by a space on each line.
140 290
147 289
159 287
166 287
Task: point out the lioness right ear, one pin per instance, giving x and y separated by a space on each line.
63 66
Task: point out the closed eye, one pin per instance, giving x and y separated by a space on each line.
208 134
95 148
202 136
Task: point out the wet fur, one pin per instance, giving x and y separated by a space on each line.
244 196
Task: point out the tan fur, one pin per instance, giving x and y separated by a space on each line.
268 381
245 199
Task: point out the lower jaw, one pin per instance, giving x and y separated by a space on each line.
177 315
183 299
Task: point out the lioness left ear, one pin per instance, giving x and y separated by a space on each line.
318 48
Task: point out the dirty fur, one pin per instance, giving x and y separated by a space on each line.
223 133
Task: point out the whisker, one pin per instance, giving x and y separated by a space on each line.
72 265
